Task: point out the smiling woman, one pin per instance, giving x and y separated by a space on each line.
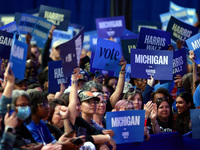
184 102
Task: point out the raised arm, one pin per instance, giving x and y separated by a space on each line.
115 97
194 68
73 96
28 41
45 51
9 76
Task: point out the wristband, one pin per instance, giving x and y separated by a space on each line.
108 137
153 124
75 82
9 129
123 72
121 77
65 118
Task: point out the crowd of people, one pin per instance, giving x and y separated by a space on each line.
75 116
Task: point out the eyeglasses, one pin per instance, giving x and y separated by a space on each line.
160 99
129 108
43 104
91 102
106 93
142 80
101 102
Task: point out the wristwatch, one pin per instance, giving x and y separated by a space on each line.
9 129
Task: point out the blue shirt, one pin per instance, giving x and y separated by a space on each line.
196 96
41 132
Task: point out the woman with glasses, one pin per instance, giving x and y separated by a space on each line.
100 111
98 117
161 116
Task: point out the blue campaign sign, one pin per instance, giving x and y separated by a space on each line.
18 57
107 55
27 23
181 14
180 62
193 43
56 76
180 30
11 28
62 36
191 12
137 24
41 31
5 44
153 39
76 28
70 53
90 40
59 17
38 27
104 72
195 119
127 125
146 63
110 27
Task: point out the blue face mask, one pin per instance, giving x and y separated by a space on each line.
23 112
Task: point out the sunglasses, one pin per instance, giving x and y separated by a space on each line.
160 99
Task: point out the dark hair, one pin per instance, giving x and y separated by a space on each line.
187 97
164 92
171 117
43 76
33 86
36 97
53 104
65 98
110 88
109 78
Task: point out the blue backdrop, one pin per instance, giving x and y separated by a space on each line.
85 12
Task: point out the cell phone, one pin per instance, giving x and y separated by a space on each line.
81 131
98 73
10 109
70 134
77 141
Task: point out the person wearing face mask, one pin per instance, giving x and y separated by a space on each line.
18 98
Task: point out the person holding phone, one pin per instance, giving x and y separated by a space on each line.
8 138
20 100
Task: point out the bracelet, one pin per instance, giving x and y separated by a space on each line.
65 118
108 137
121 77
153 124
75 82
123 72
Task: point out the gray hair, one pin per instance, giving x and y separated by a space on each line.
18 93
88 86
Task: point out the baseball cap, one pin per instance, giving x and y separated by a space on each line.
17 81
56 44
86 95
82 76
